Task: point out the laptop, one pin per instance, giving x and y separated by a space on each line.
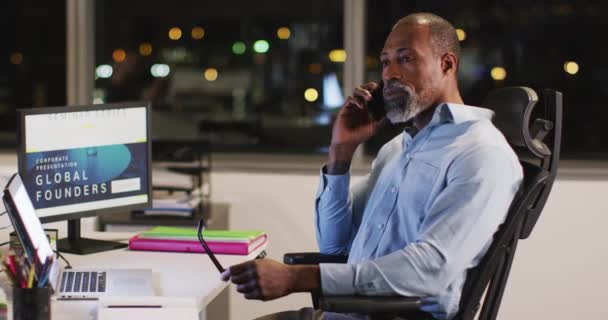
90 283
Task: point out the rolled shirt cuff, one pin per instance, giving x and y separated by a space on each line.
337 279
333 186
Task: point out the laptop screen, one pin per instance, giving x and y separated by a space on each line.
26 223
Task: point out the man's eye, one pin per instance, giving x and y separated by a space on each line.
384 63
404 59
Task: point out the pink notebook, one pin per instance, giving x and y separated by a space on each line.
242 248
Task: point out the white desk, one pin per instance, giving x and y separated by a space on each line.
187 275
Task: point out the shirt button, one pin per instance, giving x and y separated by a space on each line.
408 156
380 226
394 189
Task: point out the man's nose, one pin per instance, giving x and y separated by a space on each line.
391 72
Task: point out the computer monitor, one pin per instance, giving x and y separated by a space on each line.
83 161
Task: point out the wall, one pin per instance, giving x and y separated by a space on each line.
558 273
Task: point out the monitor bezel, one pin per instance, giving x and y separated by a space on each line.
22 113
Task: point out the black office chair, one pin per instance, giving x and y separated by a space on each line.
513 107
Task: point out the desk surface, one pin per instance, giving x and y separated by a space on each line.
188 275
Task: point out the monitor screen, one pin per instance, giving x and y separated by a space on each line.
76 161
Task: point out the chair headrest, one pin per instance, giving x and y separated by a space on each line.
512 108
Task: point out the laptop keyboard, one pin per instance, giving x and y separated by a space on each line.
87 281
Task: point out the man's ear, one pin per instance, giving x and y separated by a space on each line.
449 63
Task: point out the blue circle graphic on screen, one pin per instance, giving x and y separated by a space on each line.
101 164
70 176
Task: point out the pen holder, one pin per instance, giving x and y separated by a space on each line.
31 304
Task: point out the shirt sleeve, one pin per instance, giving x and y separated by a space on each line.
333 218
455 233
339 210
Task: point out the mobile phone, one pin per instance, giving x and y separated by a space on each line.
376 106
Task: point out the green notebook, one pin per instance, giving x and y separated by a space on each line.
174 233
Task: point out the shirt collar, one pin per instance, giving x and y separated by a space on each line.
459 113
450 112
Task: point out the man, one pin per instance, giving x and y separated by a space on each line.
434 197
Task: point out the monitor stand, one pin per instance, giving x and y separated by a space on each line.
77 245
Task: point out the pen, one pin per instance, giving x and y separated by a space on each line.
22 269
40 275
13 268
44 274
35 265
30 277
11 276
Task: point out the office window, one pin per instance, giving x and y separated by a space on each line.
540 44
32 60
247 75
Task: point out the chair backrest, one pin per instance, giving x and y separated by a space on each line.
513 108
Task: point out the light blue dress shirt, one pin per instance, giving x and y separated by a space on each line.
425 214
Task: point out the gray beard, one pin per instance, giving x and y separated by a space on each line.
404 109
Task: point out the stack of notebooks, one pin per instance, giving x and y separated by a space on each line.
186 240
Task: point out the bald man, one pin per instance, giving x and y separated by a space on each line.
434 197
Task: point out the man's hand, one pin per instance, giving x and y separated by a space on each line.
266 279
353 126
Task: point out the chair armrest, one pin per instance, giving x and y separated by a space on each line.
354 304
312 258
370 304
